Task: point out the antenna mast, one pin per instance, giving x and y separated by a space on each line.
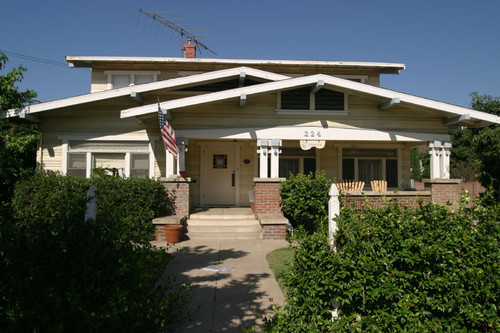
181 31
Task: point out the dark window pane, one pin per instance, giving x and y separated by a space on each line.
288 165
329 100
222 85
309 165
369 170
348 169
297 99
391 173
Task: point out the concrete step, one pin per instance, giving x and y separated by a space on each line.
216 228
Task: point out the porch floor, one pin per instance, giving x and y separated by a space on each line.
222 213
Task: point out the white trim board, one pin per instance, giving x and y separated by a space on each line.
299 133
86 61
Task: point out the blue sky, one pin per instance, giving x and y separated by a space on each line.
450 48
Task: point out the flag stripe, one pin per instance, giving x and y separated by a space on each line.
167 134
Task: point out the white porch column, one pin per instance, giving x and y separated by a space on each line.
181 159
263 151
445 160
169 164
275 157
435 152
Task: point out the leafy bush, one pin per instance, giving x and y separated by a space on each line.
61 274
398 269
127 205
305 199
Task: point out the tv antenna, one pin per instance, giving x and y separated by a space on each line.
178 29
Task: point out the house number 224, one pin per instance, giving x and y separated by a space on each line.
312 134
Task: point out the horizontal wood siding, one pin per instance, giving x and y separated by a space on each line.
247 151
193 156
260 112
328 157
99 81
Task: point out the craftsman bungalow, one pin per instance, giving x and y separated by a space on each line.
242 123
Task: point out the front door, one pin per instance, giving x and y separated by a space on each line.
220 176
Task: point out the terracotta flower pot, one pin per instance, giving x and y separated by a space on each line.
173 232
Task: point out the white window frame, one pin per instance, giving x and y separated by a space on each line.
90 154
132 75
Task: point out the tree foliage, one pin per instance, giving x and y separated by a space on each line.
18 141
476 152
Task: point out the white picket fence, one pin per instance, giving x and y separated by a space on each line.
333 212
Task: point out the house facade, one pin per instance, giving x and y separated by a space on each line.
244 122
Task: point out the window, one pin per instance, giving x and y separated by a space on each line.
296 160
121 158
77 164
303 99
370 164
139 165
120 79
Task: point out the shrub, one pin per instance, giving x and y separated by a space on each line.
126 205
59 273
398 269
305 199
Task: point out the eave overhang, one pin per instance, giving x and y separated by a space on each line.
88 61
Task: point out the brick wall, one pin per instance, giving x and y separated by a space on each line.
274 231
178 192
267 195
474 188
444 191
159 232
376 200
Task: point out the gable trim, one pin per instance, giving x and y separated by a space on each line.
157 85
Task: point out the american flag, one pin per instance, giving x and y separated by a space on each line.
167 133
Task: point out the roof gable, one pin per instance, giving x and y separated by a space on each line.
175 83
386 97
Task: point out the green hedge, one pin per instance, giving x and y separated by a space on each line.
61 274
127 205
398 270
305 199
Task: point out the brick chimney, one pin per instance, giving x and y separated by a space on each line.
189 50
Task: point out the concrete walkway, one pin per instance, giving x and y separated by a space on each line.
224 301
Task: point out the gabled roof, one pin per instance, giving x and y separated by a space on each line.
87 61
157 85
465 115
